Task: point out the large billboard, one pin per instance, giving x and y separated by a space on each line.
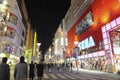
84 23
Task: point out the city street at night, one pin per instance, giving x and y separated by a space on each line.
60 39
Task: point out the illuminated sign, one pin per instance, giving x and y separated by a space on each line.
87 43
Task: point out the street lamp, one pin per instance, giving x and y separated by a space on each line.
64 54
76 52
38 51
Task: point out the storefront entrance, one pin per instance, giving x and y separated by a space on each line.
111 39
115 42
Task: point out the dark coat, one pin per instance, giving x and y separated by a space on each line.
40 68
4 71
31 72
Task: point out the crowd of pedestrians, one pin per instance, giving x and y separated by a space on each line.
22 70
58 66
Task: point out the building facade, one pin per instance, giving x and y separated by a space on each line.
28 43
97 32
12 30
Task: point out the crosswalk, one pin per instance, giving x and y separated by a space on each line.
64 77
69 76
56 75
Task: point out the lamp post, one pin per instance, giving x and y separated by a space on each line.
38 51
76 52
64 54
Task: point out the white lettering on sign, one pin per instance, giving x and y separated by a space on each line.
87 43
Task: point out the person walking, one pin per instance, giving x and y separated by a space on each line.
21 70
49 67
31 71
40 68
4 69
71 65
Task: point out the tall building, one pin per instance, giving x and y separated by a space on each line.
28 44
12 30
97 30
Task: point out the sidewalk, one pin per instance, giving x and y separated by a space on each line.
97 73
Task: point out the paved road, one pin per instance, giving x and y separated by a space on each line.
66 75
82 75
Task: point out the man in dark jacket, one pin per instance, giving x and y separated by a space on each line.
4 69
31 71
40 68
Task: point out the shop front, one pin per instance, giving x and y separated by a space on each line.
108 51
111 38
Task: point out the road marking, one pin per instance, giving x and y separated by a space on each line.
45 76
96 77
78 77
61 76
53 76
69 76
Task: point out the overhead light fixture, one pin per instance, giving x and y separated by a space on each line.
5 3
38 44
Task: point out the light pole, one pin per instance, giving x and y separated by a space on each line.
76 52
64 54
38 51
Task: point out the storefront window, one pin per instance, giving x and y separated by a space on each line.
115 38
13 19
23 33
7 48
10 32
101 47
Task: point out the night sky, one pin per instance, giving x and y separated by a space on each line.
45 17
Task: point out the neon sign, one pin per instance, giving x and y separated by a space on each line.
87 43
